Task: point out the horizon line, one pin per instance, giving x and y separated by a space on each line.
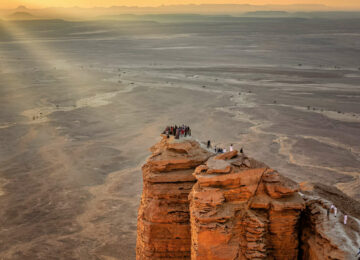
198 8
174 5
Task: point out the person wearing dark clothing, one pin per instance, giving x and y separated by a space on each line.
177 134
241 150
166 130
358 252
208 144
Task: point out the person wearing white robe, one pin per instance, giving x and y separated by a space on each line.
231 148
345 219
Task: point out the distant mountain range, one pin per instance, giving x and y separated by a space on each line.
21 16
118 12
267 13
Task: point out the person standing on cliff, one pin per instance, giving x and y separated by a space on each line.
333 209
358 252
208 144
231 148
177 133
328 212
164 132
241 150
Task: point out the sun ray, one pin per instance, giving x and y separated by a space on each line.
76 82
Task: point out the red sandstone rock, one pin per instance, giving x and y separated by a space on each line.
163 218
232 207
227 156
245 212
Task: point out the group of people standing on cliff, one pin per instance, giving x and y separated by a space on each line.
184 131
177 131
222 150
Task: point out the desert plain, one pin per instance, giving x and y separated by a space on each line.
81 102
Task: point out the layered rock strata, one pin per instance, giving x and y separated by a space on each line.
198 205
241 209
163 217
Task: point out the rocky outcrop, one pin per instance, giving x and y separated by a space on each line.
199 205
163 218
323 235
241 209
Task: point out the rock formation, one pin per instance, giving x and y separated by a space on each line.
325 236
198 205
163 218
241 209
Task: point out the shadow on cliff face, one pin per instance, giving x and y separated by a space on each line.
343 202
324 234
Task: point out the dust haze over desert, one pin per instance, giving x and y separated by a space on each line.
82 100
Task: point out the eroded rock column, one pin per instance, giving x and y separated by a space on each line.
163 218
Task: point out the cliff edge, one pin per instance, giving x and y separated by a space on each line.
242 209
200 205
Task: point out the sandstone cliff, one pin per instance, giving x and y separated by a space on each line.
241 209
163 218
198 205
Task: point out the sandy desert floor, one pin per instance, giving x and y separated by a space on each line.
81 103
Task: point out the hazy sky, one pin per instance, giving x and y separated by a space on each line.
92 3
